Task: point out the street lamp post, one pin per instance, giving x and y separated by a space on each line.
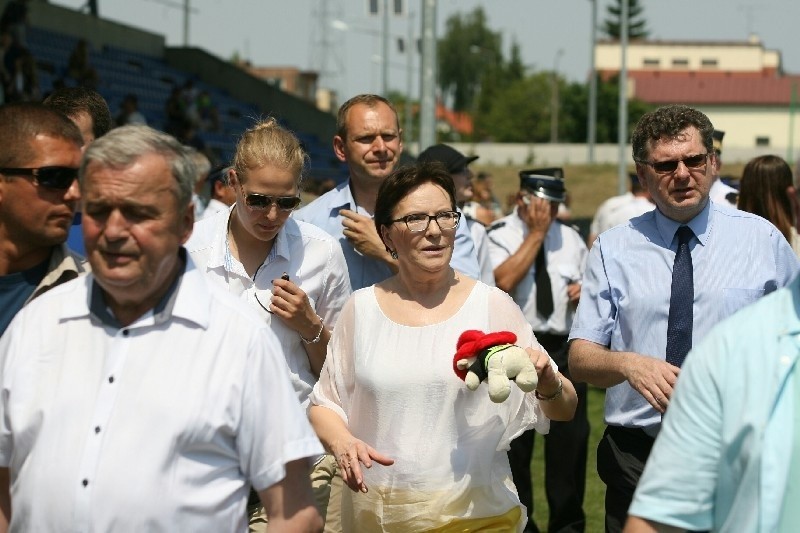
554 100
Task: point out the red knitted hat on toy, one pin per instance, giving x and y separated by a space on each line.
472 341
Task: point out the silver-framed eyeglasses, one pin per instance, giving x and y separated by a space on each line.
692 162
418 222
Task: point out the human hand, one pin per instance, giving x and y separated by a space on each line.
291 304
350 455
537 214
574 292
361 233
653 378
548 378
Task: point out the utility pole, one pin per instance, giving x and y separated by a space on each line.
591 126
186 10
622 125
385 59
427 92
411 49
554 100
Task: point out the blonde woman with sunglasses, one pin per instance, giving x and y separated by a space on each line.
293 273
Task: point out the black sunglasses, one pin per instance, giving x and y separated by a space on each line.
50 177
664 167
263 202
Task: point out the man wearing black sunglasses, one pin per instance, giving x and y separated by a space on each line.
655 286
38 195
88 110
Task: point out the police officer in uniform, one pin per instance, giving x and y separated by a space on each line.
539 261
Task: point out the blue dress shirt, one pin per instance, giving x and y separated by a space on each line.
365 271
737 257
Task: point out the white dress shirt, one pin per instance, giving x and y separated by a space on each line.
599 225
161 425
566 255
481 240
214 206
312 259
623 212
723 194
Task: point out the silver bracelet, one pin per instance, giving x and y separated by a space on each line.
556 394
319 333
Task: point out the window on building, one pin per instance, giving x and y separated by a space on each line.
762 141
680 62
708 63
652 63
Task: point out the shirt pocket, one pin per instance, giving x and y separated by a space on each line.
735 299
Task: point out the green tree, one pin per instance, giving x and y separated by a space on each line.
637 27
468 50
520 112
574 110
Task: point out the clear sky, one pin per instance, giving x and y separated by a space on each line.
296 32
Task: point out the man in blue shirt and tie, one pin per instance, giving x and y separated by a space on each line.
369 140
656 285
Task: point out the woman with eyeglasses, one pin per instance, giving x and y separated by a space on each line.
291 272
419 451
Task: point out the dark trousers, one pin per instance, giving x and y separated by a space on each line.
621 456
565 452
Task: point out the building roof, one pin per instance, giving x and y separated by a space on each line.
698 88
460 121
754 41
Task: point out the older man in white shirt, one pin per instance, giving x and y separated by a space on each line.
154 399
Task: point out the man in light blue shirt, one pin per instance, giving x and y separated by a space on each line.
369 140
725 459
619 335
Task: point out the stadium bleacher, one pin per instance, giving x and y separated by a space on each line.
151 79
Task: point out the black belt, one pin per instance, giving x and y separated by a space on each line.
543 336
629 433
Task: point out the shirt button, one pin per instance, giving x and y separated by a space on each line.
786 360
85 482
97 429
111 379
124 332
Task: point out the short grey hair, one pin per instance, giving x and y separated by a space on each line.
123 146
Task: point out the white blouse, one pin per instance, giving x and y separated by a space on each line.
395 387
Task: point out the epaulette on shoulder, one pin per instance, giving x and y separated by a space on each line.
495 226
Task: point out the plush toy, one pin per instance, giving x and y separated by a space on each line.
495 358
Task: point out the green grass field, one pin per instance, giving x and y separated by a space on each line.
595 489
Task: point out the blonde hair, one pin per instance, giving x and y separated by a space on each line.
269 143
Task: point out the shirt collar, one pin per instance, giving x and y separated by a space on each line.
700 225
342 198
187 298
